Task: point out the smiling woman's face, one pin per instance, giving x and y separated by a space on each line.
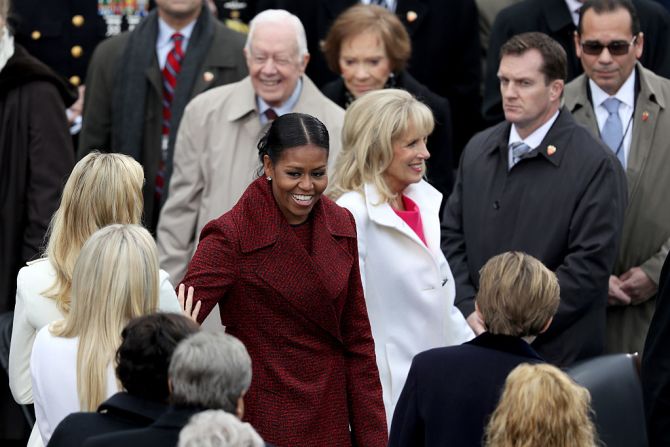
364 63
299 178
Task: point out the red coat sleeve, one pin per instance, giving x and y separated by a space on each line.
366 407
213 269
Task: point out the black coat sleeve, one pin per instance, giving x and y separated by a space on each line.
656 366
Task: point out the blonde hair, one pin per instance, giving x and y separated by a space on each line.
103 189
115 279
517 294
371 125
541 407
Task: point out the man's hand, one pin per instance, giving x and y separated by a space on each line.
476 323
637 285
616 296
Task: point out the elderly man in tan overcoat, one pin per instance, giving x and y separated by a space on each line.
643 143
215 155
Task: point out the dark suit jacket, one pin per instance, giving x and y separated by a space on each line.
164 432
439 164
301 315
656 366
120 412
552 17
57 34
445 50
450 392
565 208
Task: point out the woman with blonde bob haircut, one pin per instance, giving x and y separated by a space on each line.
102 189
541 407
114 280
408 285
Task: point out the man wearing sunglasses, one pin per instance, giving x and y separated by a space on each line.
625 105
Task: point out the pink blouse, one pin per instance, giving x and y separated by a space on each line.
412 217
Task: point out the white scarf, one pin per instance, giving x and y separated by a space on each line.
6 47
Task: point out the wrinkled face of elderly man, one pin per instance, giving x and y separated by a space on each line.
274 61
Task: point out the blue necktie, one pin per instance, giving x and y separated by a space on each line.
519 149
612 133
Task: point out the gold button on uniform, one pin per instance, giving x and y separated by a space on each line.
76 51
35 35
75 80
78 20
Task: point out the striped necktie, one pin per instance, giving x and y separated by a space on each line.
170 73
519 150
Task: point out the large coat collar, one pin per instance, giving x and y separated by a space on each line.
550 149
426 197
243 100
310 282
132 407
505 343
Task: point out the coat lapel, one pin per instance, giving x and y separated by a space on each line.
310 282
155 77
412 14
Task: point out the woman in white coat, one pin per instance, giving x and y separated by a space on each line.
408 285
102 189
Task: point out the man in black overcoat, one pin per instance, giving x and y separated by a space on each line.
542 184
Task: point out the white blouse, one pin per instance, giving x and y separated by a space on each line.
53 366
33 311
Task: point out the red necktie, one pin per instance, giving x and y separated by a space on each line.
270 114
170 72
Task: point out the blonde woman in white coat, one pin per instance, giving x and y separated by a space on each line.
408 285
102 189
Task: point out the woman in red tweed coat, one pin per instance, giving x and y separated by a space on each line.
283 267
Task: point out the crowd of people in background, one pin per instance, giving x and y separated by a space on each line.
394 220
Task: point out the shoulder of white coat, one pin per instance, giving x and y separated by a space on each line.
354 201
38 274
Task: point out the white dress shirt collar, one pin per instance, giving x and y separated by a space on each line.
164 43
574 6
535 138
283 109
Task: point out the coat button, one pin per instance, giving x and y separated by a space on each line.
76 51
78 20
496 205
75 80
35 35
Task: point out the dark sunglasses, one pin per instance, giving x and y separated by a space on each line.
616 48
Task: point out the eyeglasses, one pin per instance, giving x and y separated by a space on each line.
280 61
615 48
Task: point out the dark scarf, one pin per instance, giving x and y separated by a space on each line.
349 97
130 86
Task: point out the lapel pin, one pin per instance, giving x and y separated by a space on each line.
411 16
645 116
208 76
551 149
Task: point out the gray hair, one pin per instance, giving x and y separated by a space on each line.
216 428
211 370
278 16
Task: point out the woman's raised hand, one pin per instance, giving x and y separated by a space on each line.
186 304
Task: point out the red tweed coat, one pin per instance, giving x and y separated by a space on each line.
302 317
